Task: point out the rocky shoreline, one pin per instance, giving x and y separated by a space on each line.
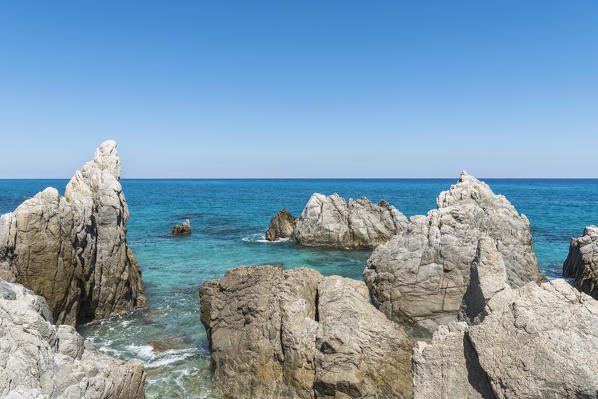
453 304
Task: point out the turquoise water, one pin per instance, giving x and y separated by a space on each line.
229 218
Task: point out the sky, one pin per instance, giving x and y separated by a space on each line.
289 89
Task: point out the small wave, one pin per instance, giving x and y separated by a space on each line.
144 352
260 237
170 356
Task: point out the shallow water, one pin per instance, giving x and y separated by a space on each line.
229 218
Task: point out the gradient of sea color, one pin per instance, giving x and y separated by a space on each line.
229 218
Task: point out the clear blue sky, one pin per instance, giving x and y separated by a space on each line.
301 88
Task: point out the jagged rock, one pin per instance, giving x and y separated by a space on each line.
332 222
538 341
281 226
39 360
419 277
582 261
277 333
183 229
72 250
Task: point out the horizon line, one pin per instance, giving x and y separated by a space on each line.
312 178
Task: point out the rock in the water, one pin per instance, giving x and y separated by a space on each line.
295 334
72 250
582 261
281 226
419 277
532 342
39 360
359 224
183 229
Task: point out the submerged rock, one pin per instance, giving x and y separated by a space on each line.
582 261
537 341
419 277
183 229
72 250
295 334
40 360
281 226
359 224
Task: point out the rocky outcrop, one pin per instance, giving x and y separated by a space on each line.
281 226
72 249
419 277
582 261
359 224
277 333
40 360
183 229
537 341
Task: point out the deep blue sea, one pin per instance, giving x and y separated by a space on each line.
229 218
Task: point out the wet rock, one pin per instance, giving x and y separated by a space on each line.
418 278
72 249
295 334
40 360
582 261
359 224
281 226
183 229
175 340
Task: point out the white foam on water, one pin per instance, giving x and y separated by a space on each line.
261 238
144 352
170 356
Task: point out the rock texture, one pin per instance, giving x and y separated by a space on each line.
72 250
359 224
537 341
277 333
39 360
582 261
419 277
281 226
183 229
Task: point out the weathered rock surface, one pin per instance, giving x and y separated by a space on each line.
281 226
40 360
277 333
419 277
582 261
537 341
183 229
72 250
359 224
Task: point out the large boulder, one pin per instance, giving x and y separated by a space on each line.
277 333
537 341
72 249
40 360
359 224
281 226
419 277
582 261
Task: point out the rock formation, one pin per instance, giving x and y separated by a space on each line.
582 261
332 222
419 277
537 341
72 250
281 226
277 333
183 229
39 360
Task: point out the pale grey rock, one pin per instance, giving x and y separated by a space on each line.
277 333
72 249
419 277
183 229
487 278
359 224
39 360
281 226
537 341
582 261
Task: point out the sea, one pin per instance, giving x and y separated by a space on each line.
229 219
